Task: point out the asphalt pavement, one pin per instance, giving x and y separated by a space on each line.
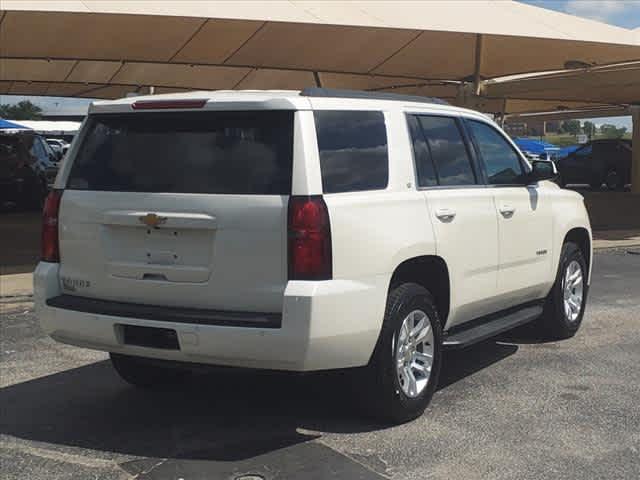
507 408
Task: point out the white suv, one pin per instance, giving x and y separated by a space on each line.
303 231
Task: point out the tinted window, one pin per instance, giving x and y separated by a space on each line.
500 159
195 152
424 163
353 150
37 150
48 151
448 150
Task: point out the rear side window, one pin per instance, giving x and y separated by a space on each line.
448 150
500 159
353 150
195 152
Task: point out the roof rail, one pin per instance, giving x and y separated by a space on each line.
340 93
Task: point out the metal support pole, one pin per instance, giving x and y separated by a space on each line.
635 154
477 74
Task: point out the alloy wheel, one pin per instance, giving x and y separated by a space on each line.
414 353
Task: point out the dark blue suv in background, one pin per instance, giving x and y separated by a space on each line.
598 162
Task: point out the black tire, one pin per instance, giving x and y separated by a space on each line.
146 373
554 322
383 395
613 181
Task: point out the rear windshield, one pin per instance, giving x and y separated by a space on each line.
194 152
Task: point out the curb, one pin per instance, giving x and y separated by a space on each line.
629 248
26 297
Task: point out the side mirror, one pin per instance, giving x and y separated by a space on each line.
542 170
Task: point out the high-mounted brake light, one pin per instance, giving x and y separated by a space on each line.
168 104
309 239
50 212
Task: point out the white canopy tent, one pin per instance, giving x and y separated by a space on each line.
104 49
52 127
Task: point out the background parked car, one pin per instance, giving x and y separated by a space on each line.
65 149
58 146
605 161
26 169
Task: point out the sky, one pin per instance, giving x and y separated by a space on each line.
622 13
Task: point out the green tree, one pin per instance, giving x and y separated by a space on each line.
24 110
571 126
589 128
611 131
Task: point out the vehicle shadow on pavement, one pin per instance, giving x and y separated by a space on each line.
225 416
459 364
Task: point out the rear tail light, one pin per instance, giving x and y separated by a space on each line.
50 245
309 239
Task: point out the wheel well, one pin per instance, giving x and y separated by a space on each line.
580 236
432 273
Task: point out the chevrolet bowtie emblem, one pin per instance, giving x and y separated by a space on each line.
152 220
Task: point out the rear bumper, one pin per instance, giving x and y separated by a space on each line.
324 325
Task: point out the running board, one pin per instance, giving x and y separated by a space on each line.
491 328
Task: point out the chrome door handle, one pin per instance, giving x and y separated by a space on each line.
507 211
445 215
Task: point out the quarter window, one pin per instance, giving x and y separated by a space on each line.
448 150
353 150
425 170
500 159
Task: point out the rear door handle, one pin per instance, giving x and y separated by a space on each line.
445 214
507 211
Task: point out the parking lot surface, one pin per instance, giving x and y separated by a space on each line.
508 408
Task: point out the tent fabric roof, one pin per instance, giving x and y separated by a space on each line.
595 112
498 17
106 49
618 84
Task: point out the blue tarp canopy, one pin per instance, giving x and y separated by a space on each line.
533 146
4 124
538 146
